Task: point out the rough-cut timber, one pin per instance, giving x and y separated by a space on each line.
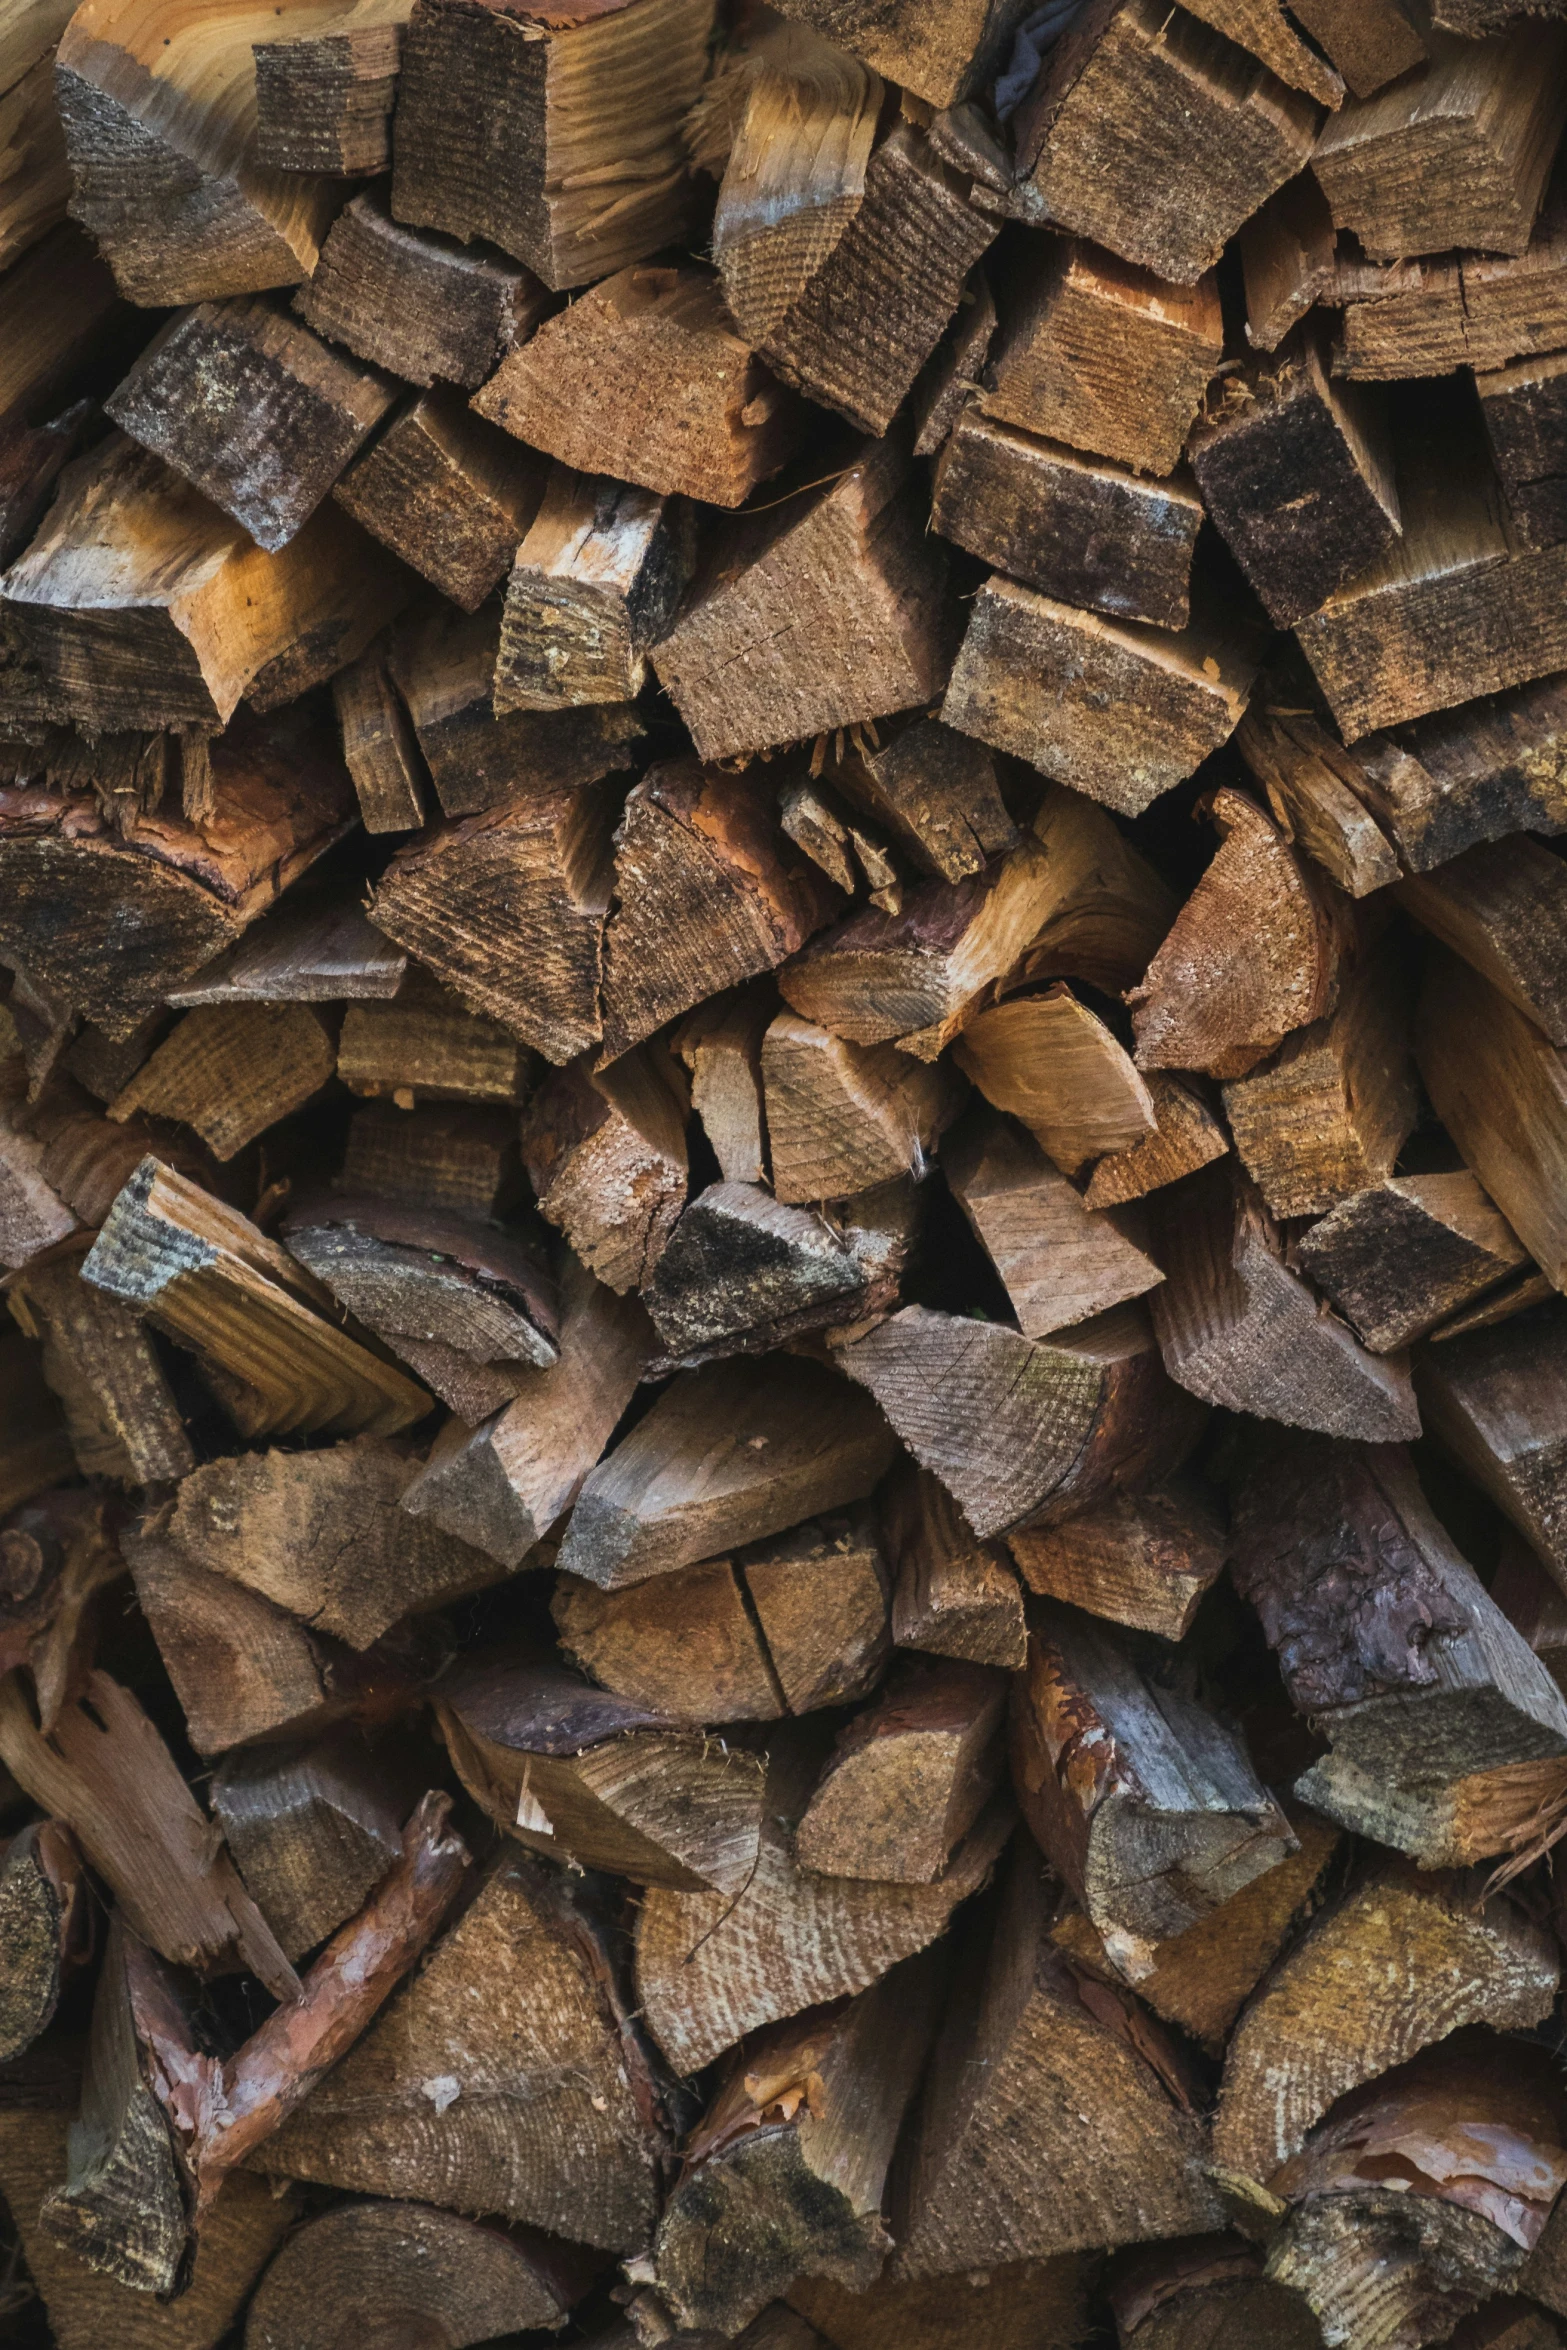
1404 1254
324 101
595 582
447 493
1497 1401
421 306
1143 1559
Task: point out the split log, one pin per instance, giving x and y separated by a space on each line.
819 1593
1370 41
159 135
503 1486
1015 2304
943 54
843 1118
1052 1063
33 1217
684 1645
1502 906
712 1967
460 1160
744 1272
103 1770
1210 2290
721 1046
203 1273
1143 1559
595 582
314 1828
954 1595
1313 789
534 2101
1446 1733
253 409
1012 1425
447 493
404 2268
1440 1960
1028 2049
1238 1328
1146 1805
1131 87
842 590
956 364
1403 1255
324 99
1059 1262
1106 357
1188 1136
422 1046
1522 409
1253 954
422 307
507 910
46 1930
56 1555
1262 27
645 378
561 146
908 1777
708 894
38 169
312 948
1288 259
1497 1400
800 2134
935 793
727 1454
100 1361
1411 318
379 749
321 1535
605 1151
229 1071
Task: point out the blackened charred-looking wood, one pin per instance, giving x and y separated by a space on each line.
313 1827
45 1930
908 1777
1146 1804
1446 1731
605 1151
1143 1559
1403 1255
422 306
1497 1400
954 1595
743 1272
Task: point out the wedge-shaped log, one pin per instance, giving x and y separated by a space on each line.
908 1777
1187 1136
229 1071
1445 1731
313 1827
594 583
691 1479
1053 1063
45 1929
379 749
816 2166
1502 906
1310 2035
954 1595
842 1117
685 1644
1497 1399
424 307
1406 318
324 99
819 1592
316 948
935 792
743 1273
645 378
1313 788
1239 1328
943 53
1147 1805
203 1273
1059 1262
1143 1559
1403 1255
447 493
422 1045
1370 41
1013 1426
605 1152
721 1046
1030 2048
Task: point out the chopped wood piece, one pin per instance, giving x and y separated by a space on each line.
1500 1089
253 409
606 1155
45 1930
685 1645
1211 2290
1310 2034
819 1594
1403 1255
711 1967
1262 27
158 132
721 1046
1119 710
594 583
104 1771
1137 85
424 1045
1106 357
56 1555
446 492
815 827
1252 955
1313 790
801 2134
708 893
203 1273
935 792
744 1272
379 749
1446 1732
460 1160
507 910
908 1777
726 1455
444 668
1409 318
1016 2304
944 53
645 378
139 605
1146 1805
402 2268
842 590
324 101
955 1595
532 2100
556 136
33 1217
320 1534
1497 1400
1457 153
1029 2048
1503 907
601 1780
1144 1559
1370 41
1331 1111
1050 1061
310 949
38 170
1087 533
1010 1424
100 1362
1297 472
843 1117
501 1487
1524 421
1287 258
1461 776
314 1828
229 1071
1238 1328
1059 1262
424 307
953 370
1188 1136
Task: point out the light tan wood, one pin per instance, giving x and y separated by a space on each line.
1060 1262
1051 1062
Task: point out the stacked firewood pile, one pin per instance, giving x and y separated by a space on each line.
783 1173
